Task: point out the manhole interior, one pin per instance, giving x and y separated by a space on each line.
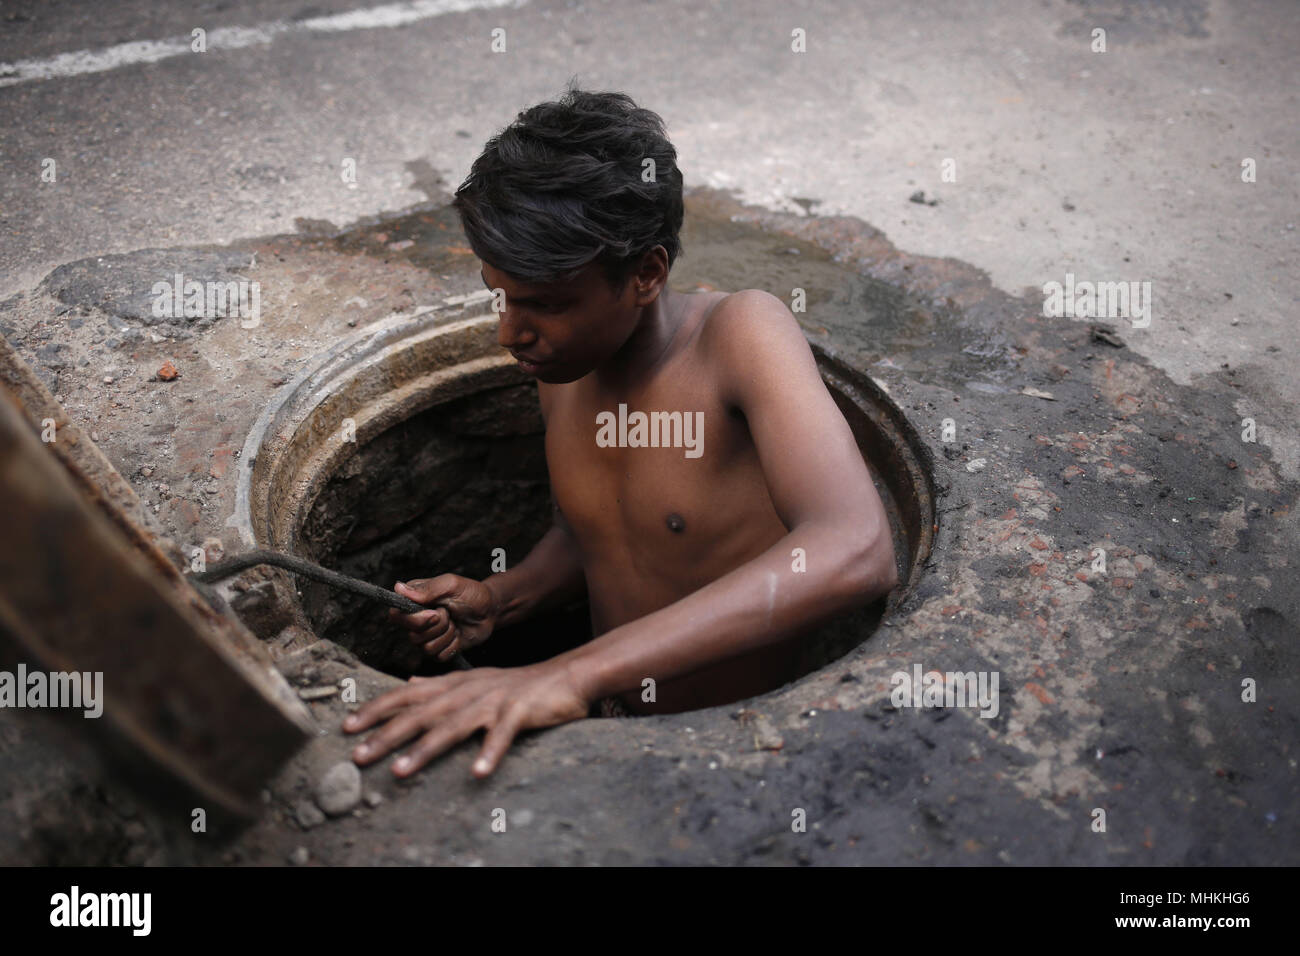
418 448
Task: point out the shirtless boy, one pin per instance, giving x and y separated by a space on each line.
704 553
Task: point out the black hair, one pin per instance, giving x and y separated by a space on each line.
562 186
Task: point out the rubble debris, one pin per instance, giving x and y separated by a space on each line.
339 789
1105 333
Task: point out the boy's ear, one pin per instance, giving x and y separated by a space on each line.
652 275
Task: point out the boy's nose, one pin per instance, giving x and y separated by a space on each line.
513 334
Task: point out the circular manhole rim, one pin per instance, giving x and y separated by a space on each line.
394 369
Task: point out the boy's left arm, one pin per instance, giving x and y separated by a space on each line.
822 492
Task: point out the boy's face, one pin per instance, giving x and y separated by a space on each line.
559 332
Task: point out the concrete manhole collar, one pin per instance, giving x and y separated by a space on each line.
415 446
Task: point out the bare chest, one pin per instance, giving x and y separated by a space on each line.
654 472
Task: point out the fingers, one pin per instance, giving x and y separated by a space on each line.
498 740
409 710
428 590
444 646
427 626
420 620
435 742
439 713
386 705
500 734
393 734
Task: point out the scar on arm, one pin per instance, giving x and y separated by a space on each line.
771 595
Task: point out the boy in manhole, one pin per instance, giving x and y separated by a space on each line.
709 495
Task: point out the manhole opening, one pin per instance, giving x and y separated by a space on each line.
449 487
447 491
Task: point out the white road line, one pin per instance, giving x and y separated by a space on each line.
235 38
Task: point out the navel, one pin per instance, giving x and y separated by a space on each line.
675 523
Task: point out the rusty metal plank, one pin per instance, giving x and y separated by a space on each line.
83 588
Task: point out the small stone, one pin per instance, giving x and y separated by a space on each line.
146 472
340 789
168 372
300 856
1037 393
108 380
317 693
213 550
976 465
373 798
308 814
766 736
53 356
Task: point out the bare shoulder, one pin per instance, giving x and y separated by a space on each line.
753 334
748 317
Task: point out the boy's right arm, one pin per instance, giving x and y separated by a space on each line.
463 613
466 612
550 575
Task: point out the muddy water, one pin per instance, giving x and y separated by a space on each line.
722 254
896 328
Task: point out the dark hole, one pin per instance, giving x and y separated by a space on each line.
440 493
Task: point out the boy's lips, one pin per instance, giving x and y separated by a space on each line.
528 363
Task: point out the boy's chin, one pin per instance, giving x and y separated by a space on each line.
558 376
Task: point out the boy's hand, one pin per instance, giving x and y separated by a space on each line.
465 615
443 711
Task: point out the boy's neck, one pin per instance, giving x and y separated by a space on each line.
647 346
